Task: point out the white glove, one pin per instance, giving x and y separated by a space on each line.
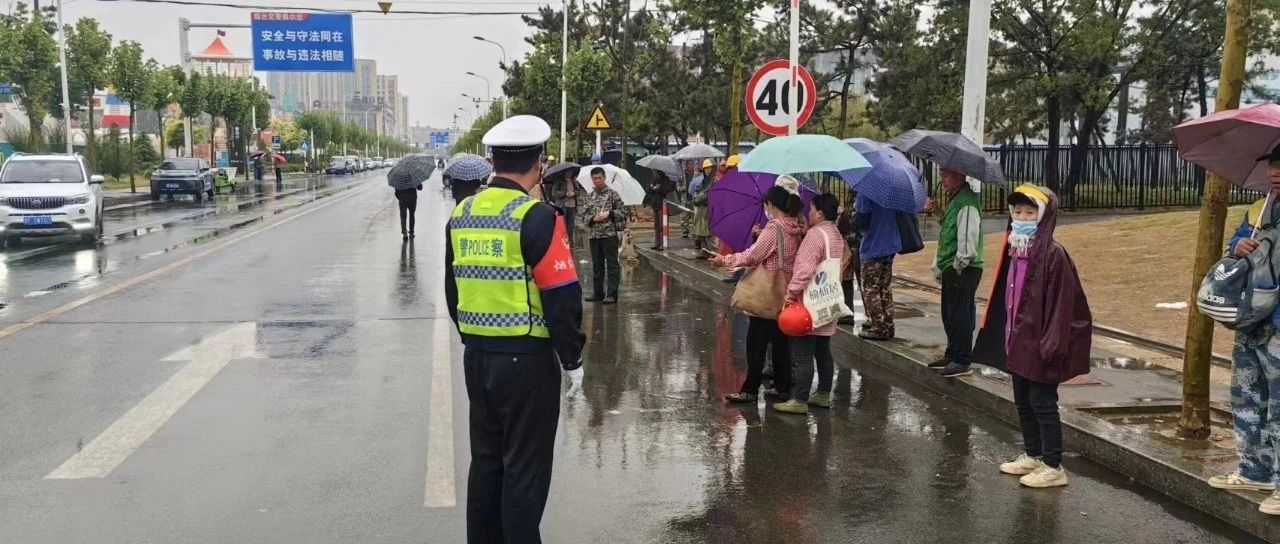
575 383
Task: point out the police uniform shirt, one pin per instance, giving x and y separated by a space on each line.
561 293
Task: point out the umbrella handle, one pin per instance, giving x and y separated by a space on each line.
1266 205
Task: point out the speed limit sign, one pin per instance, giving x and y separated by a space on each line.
769 97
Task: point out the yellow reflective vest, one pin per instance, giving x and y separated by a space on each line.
497 296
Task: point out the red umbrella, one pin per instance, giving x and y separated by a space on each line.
1233 143
279 158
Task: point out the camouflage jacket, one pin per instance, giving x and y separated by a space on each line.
598 201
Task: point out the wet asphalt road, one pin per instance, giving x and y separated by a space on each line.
285 374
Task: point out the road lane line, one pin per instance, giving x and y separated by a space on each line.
441 487
136 280
115 444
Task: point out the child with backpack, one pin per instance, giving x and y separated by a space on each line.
1038 328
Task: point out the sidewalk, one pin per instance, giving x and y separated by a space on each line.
1122 415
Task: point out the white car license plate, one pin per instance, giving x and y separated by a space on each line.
37 220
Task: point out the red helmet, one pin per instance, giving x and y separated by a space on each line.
795 320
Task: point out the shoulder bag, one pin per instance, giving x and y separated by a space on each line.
761 292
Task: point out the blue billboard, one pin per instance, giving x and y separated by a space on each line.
439 138
302 42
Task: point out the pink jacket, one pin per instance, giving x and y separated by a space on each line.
764 252
810 256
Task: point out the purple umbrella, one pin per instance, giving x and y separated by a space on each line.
735 205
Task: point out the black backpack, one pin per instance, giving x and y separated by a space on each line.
909 231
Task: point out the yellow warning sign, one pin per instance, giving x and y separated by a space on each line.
385 7
598 121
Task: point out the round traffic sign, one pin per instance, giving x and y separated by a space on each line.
769 97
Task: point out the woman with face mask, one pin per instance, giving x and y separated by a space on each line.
782 206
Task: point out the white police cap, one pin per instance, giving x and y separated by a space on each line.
519 133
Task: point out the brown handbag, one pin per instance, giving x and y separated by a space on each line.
761 292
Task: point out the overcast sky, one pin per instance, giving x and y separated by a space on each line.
430 53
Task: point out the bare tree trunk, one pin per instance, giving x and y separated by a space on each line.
1194 421
1053 103
133 186
844 95
735 103
1202 86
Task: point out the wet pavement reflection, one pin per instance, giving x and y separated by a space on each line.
652 448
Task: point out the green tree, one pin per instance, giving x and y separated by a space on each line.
145 155
129 77
191 99
174 133
163 89
115 154
28 59
921 74
88 54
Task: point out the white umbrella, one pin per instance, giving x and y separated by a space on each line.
619 180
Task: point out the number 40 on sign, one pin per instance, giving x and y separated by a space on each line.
768 97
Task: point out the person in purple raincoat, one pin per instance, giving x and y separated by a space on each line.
1038 328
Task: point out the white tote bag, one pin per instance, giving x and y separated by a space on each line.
824 297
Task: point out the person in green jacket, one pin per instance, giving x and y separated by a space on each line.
958 268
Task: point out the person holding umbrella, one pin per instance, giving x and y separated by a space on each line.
660 185
958 265
466 173
512 290
701 229
406 178
564 194
1243 147
782 206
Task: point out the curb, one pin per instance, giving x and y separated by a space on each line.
1153 464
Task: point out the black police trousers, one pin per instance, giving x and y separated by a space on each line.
515 407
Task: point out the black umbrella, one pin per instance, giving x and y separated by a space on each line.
411 171
560 168
951 151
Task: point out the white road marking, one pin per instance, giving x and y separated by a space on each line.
441 491
127 434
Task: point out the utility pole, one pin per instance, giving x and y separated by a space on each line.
184 53
974 106
1194 421
794 59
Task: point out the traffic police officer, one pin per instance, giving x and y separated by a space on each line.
513 293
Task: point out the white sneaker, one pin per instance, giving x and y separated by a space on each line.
1024 464
1235 481
1271 505
1045 476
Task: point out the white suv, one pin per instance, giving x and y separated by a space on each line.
49 195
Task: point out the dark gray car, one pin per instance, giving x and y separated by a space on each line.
183 176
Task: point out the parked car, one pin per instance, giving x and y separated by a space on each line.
378 162
183 176
341 165
388 163
49 195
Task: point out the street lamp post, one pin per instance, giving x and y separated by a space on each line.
488 89
564 59
504 66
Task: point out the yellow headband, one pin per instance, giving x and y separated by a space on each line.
1033 192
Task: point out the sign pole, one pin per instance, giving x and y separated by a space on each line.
183 25
795 64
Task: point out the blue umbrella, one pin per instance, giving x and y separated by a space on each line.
468 167
802 153
892 181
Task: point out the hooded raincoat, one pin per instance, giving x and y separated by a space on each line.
1052 331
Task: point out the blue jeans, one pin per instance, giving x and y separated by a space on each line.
805 352
1255 404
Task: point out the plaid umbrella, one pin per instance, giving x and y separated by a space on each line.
468 167
411 171
892 181
663 164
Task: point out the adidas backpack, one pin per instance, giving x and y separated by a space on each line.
1241 292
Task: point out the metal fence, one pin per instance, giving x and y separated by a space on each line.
1120 176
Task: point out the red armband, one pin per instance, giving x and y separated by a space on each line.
556 267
